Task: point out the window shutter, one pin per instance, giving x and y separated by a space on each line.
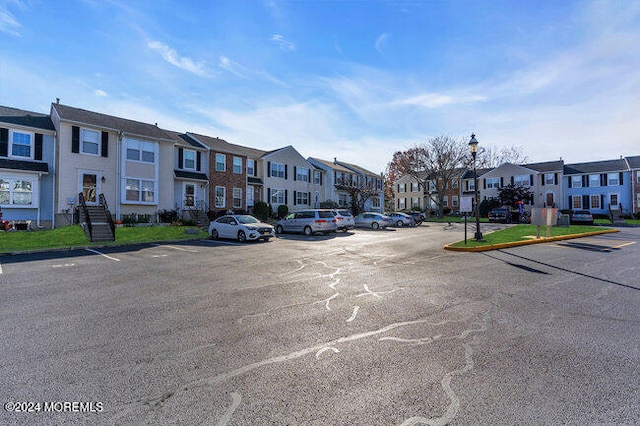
75 139
585 201
308 198
105 144
180 158
285 172
286 196
531 201
530 180
295 177
542 175
569 182
37 154
570 206
4 142
269 169
621 178
501 181
602 201
320 178
484 183
294 197
603 179
512 181
269 195
309 175
555 178
255 168
585 181
198 160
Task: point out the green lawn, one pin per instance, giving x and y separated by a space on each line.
608 222
456 219
73 236
518 232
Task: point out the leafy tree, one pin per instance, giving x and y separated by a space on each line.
511 194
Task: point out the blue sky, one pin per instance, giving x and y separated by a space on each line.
356 80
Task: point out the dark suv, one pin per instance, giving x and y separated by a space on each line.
500 215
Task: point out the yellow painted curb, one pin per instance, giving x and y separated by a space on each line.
527 242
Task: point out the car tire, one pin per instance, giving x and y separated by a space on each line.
375 225
214 234
400 224
242 237
307 231
279 229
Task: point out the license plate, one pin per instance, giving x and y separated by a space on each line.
266 233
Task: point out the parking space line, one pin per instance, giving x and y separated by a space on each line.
176 248
102 254
0 268
623 245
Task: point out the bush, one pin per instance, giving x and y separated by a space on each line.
261 210
144 218
283 210
189 222
129 220
167 216
637 215
329 204
446 211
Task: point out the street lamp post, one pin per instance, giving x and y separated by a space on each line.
473 147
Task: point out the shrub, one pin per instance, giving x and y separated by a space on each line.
329 204
144 218
446 211
283 210
167 216
261 210
129 220
188 222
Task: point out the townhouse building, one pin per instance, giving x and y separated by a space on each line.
634 169
27 167
409 193
191 177
228 173
599 186
327 174
125 161
287 178
370 180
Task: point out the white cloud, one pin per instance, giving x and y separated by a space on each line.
170 55
381 41
282 42
241 71
8 23
100 93
436 100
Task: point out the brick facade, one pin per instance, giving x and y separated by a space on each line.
227 179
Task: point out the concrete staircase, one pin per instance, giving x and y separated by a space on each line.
96 221
615 215
200 217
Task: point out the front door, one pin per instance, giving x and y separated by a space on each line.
189 196
250 195
90 186
550 202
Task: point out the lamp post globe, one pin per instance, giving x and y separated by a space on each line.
473 148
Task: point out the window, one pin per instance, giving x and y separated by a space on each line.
576 182
576 202
139 151
454 184
237 165
189 160
90 187
251 167
220 196
493 182
90 142
415 187
432 186
454 201
595 199
339 178
613 179
140 190
402 203
342 200
277 170
549 179
189 194
237 198
375 202
594 180
17 191
302 198
402 187
613 200
520 180
415 202
21 144
302 174
471 185
221 163
638 176
316 177
445 202
277 196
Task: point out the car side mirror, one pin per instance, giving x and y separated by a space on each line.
233 222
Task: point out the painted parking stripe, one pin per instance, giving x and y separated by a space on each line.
624 244
0 268
102 254
177 248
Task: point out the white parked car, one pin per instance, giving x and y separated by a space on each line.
242 227
344 220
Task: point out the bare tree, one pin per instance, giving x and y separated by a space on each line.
359 193
439 160
492 156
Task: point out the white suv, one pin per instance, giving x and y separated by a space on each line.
344 220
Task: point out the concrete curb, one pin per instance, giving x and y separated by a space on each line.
527 242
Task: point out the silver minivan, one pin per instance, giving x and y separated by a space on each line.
308 222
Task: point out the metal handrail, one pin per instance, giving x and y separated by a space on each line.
112 225
85 211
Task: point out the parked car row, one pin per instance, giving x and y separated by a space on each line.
248 228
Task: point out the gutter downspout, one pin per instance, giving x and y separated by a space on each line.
53 173
118 176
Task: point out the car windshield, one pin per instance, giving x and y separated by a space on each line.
325 214
247 219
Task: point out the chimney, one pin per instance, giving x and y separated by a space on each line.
57 100
335 160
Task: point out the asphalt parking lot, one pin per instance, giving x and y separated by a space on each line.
365 327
